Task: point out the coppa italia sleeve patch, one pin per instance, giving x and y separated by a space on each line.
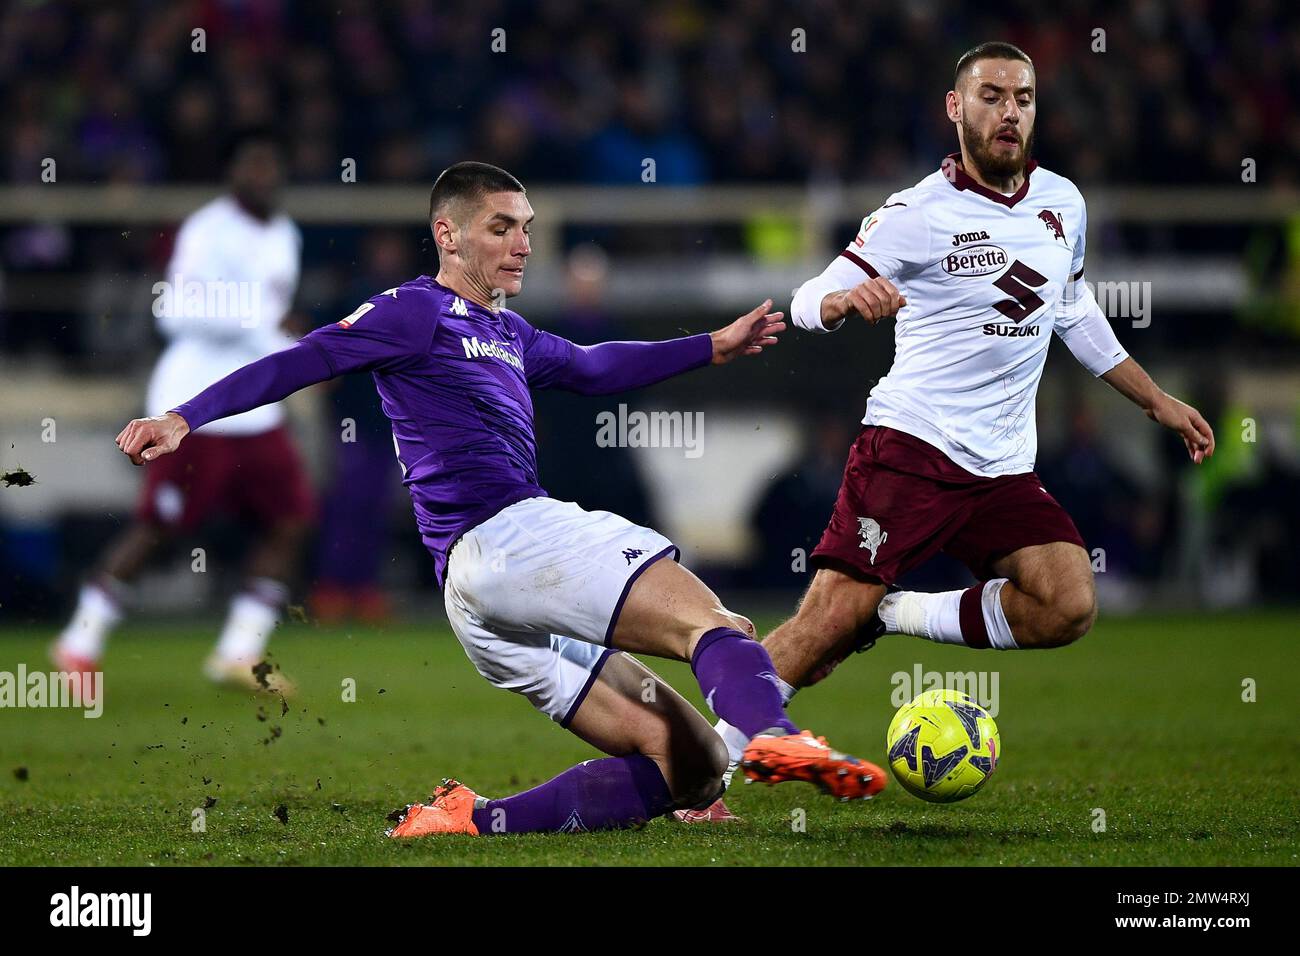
361 310
867 225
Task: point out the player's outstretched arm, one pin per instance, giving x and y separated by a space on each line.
1131 380
748 335
144 439
259 383
610 367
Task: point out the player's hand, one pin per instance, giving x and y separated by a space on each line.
748 335
1187 421
144 439
874 300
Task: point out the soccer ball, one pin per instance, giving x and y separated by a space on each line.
943 746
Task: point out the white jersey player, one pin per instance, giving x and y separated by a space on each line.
983 263
988 278
228 287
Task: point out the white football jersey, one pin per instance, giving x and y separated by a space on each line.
987 279
228 287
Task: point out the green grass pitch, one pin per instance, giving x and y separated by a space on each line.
1143 720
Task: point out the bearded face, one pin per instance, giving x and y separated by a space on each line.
999 154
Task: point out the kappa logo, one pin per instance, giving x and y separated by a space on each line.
631 554
1053 222
872 536
573 824
458 307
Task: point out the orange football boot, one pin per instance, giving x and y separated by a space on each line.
804 757
450 810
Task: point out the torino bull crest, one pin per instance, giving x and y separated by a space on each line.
872 536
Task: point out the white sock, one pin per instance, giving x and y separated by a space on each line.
995 619
786 690
96 615
250 622
737 741
935 617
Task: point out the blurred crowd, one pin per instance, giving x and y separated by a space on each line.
737 90
576 92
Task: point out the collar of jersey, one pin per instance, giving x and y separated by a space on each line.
483 311
960 179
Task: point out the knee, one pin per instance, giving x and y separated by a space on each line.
720 617
696 780
1073 611
744 625
692 758
737 622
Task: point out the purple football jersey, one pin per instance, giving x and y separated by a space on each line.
454 380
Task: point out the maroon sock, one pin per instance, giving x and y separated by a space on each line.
970 614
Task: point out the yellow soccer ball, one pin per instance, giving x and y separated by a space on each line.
943 746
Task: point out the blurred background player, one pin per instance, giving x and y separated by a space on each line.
231 282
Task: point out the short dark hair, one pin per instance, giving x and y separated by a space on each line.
251 136
990 50
469 181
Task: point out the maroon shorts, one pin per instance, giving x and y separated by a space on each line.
255 477
902 501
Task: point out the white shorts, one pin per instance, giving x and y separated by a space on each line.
534 593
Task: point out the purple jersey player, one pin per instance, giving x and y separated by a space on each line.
542 594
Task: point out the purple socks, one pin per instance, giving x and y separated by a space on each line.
739 682
606 794
611 793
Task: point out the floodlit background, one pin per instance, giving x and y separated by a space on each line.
773 129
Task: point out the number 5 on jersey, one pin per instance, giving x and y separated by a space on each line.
1019 282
